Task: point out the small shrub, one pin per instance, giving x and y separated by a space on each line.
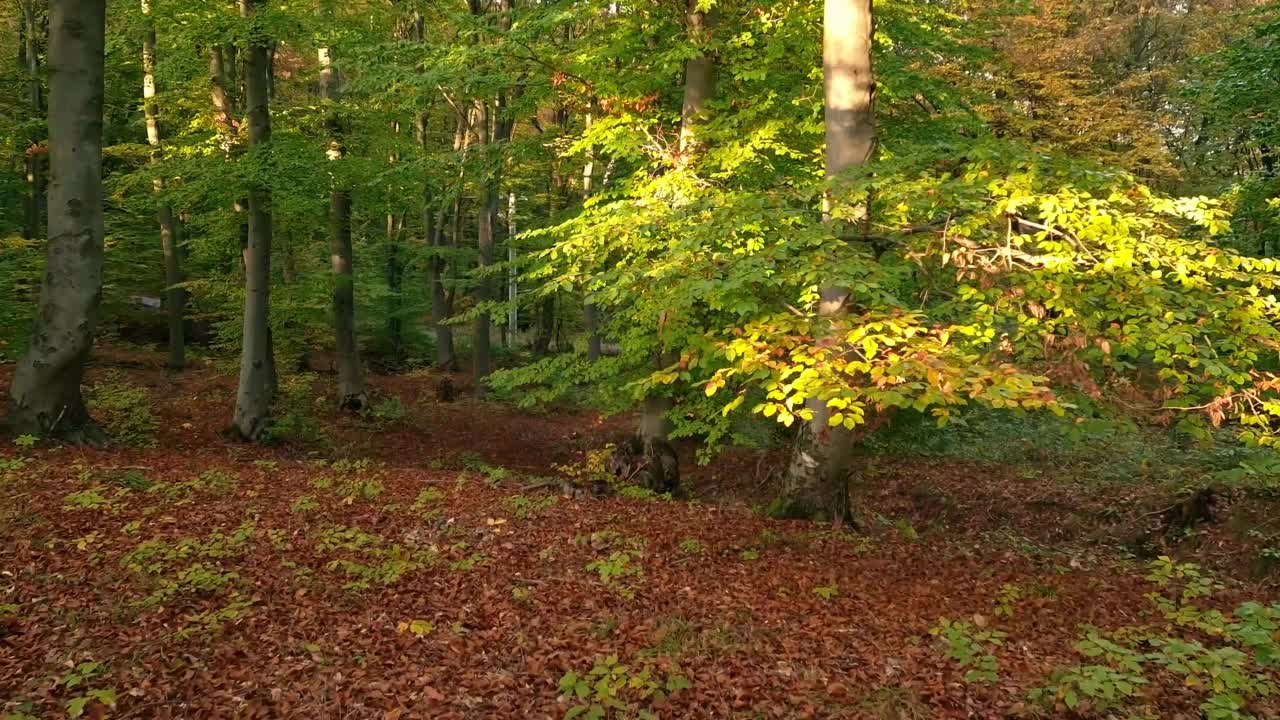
692 546
1104 687
969 647
81 680
612 689
636 492
133 480
110 500
350 480
524 508
1007 602
1232 659
826 592
468 563
304 504
374 563
387 411
617 566
213 482
426 497
123 409
212 623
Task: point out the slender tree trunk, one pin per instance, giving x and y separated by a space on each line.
271 71
816 483
33 202
446 359
175 296
395 269
220 94
699 88
45 396
351 387
700 75
546 320
257 362
481 353
513 287
590 314
496 130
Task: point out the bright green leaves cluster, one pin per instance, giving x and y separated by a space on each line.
986 274
1034 285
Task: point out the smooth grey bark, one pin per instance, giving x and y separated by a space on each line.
816 483
257 361
700 76
175 295
699 88
45 398
351 386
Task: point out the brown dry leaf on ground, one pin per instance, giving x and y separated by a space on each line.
414 581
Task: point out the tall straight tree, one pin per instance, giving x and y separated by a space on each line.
351 388
590 313
495 131
29 54
176 297
482 363
45 397
700 75
816 483
257 366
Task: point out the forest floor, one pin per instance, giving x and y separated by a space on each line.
410 564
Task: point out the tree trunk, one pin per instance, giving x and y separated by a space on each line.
45 396
699 88
445 357
257 363
590 315
513 276
351 387
480 341
816 483
441 307
546 324
395 284
700 75
33 202
395 269
175 296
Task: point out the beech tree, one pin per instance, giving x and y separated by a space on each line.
29 58
257 364
45 397
816 479
351 388
176 297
